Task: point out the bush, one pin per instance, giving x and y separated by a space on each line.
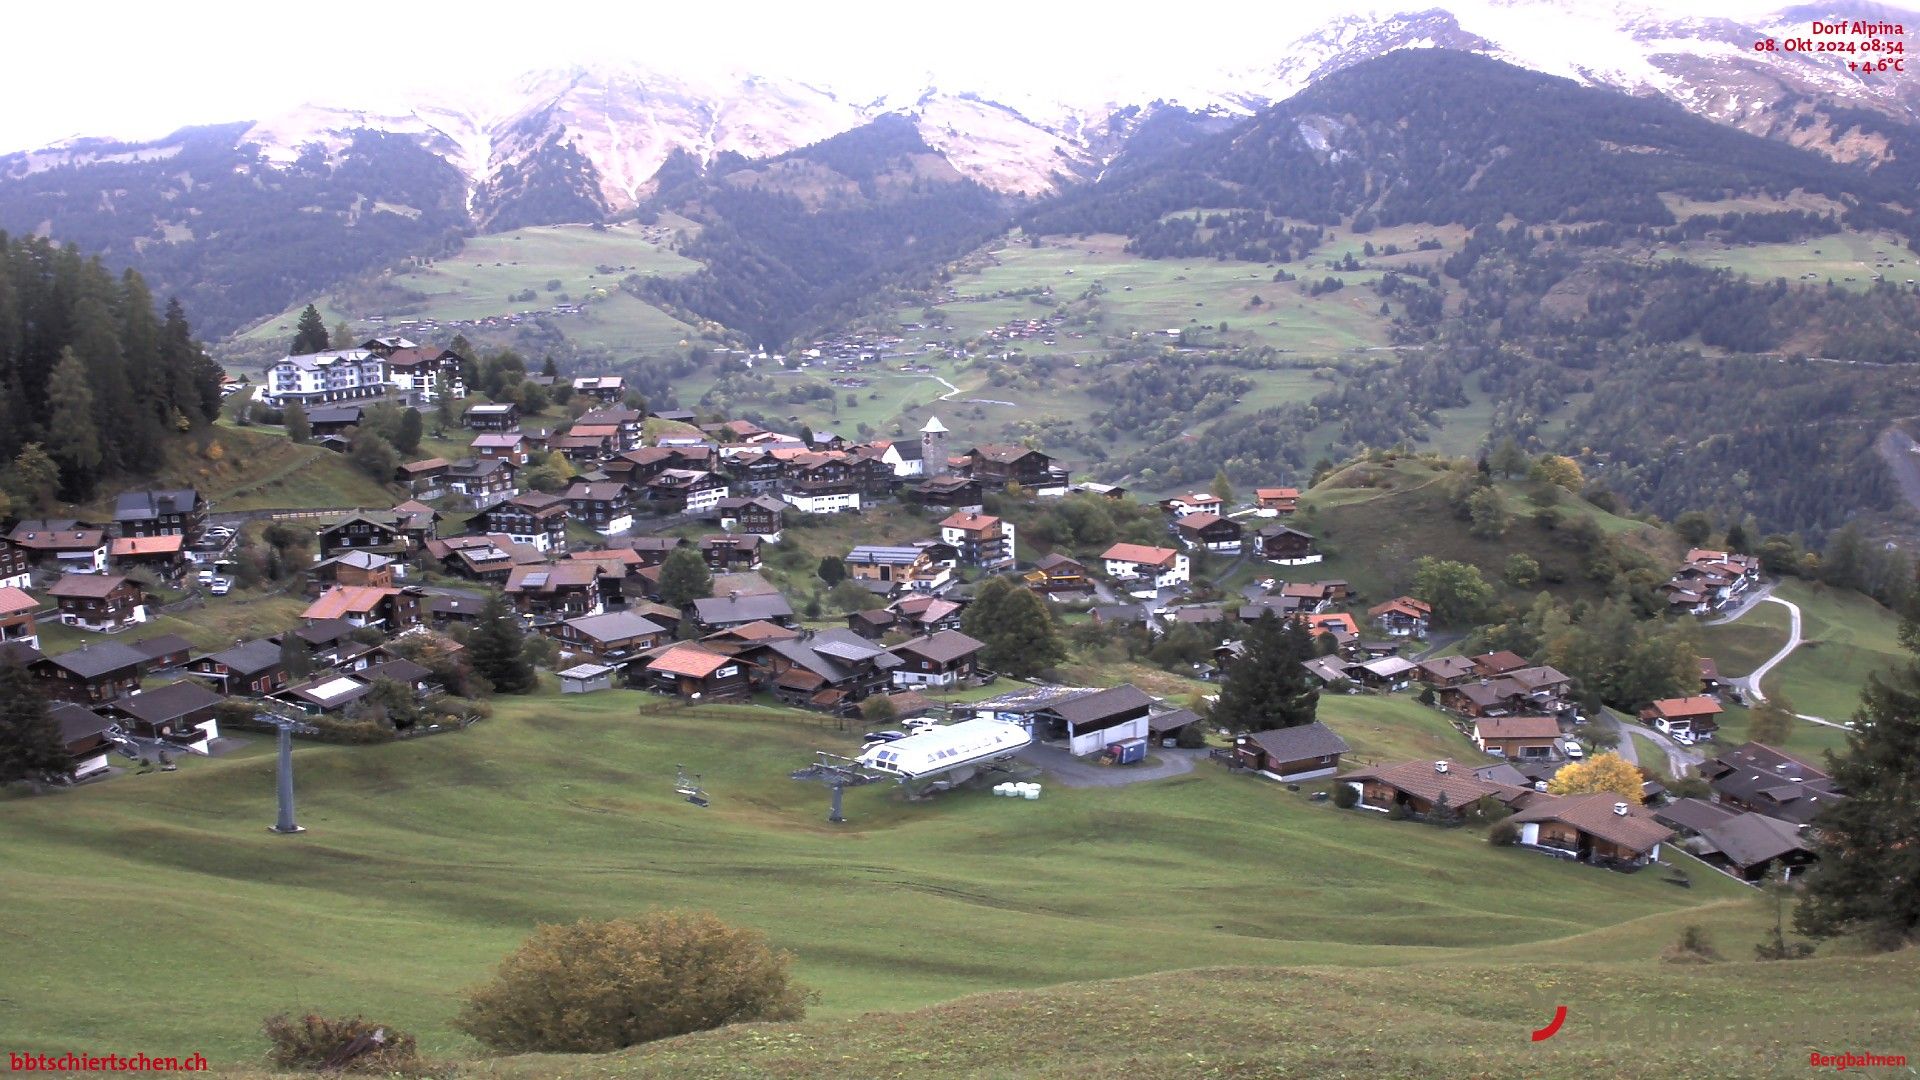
595 986
321 1044
1397 812
1504 834
1191 737
1345 797
1694 946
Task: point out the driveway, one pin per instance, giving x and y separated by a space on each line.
1062 767
1681 761
1746 605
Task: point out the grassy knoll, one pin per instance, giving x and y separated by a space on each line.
1375 520
256 468
1849 258
1848 637
1624 1019
1739 647
427 860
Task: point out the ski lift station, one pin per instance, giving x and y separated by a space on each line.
945 749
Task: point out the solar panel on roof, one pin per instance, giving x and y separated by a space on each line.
536 580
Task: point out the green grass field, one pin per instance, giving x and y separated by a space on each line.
1739 647
256 468
1849 258
1848 637
427 860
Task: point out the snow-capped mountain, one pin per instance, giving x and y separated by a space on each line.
600 134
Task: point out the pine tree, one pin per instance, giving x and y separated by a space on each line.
1266 687
310 336
684 578
30 744
299 428
832 570
1867 881
497 649
548 369
73 440
411 428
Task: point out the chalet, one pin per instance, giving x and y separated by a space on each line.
629 425
84 733
759 515
326 642
1696 716
416 678
510 447
1488 665
1760 779
493 417
650 550
827 670
1329 669
535 519
586 442
613 638
1708 580
178 712
1105 491
1303 752
918 568
417 521
1387 673
318 378
392 610
602 507
923 614
1749 846
1402 616
338 444
600 387
1285 545
67 545
946 492
1419 786
694 673
422 373
1162 568
754 473
903 456
1281 500
481 482
335 421
1207 531
695 491
587 678
678 416
980 540
998 466
1711 681
424 479
376 531
104 603
1444 671
1598 828
561 591
1056 573
252 668
177 512
872 625
93 674
17 611
721 612
1198 503
443 610
1485 697
358 568
327 693
1091 721
1336 624
730 554
1534 737
942 659
821 484
16 567
489 558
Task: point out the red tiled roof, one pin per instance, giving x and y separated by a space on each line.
1140 553
341 600
146 545
689 660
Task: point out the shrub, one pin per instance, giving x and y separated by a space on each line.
322 1044
1694 946
1345 797
1504 834
595 986
1396 812
1191 737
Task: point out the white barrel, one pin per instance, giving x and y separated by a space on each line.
1032 792
1001 789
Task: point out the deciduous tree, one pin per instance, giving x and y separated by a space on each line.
1457 591
1609 773
684 578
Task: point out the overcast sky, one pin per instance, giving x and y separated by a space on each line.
110 67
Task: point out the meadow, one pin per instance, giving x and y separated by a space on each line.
1847 638
427 860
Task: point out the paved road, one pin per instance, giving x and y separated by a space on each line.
1063 768
1681 761
1750 683
1746 605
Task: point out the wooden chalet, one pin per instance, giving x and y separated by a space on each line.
1057 573
693 672
174 512
1303 752
1282 500
104 603
1600 828
946 658
251 668
93 674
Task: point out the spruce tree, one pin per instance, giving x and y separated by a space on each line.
30 744
832 570
1867 881
1266 687
407 438
684 578
310 336
497 649
73 439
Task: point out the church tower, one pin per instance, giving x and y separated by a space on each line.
933 448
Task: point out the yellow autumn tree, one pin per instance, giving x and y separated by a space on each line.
1558 470
1609 772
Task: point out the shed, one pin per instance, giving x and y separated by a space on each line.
586 678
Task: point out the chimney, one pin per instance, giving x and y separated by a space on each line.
1620 808
1440 767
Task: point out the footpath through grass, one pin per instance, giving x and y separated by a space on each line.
157 910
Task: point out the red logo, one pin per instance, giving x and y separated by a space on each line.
1548 1032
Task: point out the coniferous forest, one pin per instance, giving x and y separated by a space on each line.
93 376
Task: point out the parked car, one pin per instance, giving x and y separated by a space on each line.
1575 751
205 577
882 736
220 586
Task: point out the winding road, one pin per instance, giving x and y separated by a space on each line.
1749 684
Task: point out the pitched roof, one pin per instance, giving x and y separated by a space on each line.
1424 780
971 522
731 609
1517 727
689 660
147 505
154 648
170 702
1673 708
1300 742
1401 605
1751 839
60 535
615 626
76 721
1140 553
341 600
1598 815
1447 667
1499 663
93 586
14 601
248 657
1101 704
1276 493
97 658
942 648
1203 520
1694 814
